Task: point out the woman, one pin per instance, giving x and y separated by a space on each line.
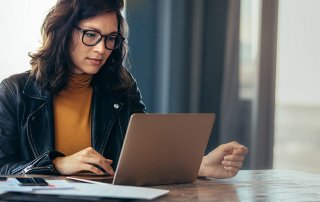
69 113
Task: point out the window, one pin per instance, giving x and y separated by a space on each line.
297 120
249 47
20 33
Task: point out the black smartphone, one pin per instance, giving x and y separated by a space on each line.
32 181
3 178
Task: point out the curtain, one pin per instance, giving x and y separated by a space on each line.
185 57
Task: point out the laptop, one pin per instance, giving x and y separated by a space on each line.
163 148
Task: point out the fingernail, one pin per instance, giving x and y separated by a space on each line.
111 172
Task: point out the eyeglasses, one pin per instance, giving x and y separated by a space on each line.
92 38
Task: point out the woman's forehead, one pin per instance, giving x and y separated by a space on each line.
104 23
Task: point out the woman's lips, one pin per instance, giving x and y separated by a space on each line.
95 61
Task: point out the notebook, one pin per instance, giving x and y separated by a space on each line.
162 149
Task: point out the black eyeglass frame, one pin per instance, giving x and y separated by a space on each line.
84 31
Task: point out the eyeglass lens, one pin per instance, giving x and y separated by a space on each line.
92 38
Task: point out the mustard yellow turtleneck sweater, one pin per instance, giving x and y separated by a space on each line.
72 120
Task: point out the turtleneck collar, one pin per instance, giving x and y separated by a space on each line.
79 82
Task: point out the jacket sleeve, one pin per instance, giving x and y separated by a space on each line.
11 161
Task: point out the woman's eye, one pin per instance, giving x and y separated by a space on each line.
91 34
112 38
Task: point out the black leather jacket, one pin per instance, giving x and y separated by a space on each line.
27 128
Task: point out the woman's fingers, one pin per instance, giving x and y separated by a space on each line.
241 150
234 161
91 168
234 164
92 157
84 160
109 161
234 158
100 162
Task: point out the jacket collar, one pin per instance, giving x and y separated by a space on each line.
32 89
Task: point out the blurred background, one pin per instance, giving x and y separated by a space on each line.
255 63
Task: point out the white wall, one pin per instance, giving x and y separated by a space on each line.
20 22
298 68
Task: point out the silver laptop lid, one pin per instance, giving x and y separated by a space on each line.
163 148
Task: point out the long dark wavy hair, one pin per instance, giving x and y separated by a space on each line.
52 64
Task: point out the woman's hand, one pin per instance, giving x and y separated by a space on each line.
84 160
223 162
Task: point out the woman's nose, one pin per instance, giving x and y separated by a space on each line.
100 47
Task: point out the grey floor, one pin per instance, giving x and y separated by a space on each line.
297 138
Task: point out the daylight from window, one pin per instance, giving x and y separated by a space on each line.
297 120
20 33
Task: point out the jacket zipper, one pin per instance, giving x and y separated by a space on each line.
121 130
109 129
106 139
31 142
28 168
31 165
30 138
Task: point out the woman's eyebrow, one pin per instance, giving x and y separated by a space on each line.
115 32
98 30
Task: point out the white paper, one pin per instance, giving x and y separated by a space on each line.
11 184
88 181
108 190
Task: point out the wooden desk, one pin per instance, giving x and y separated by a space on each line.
262 185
